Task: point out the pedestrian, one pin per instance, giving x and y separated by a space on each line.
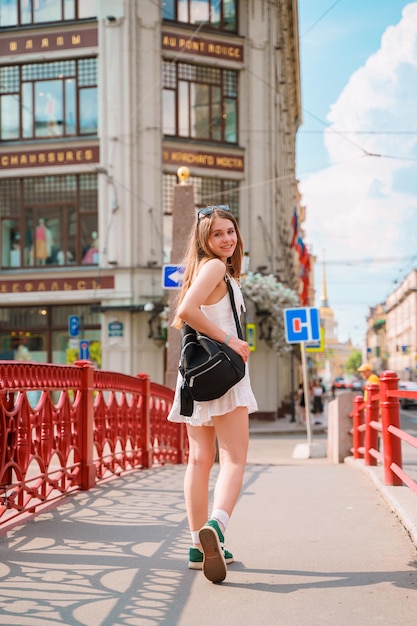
367 374
301 405
318 402
215 249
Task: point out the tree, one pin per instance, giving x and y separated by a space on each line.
353 362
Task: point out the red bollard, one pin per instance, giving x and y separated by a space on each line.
358 419
371 415
390 412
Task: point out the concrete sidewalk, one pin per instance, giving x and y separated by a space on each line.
401 500
315 544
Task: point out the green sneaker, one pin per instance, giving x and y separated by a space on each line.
214 562
196 558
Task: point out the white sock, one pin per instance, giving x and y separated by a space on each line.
195 537
221 516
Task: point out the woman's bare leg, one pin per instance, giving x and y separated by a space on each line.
232 431
202 451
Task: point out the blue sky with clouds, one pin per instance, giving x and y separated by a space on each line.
357 149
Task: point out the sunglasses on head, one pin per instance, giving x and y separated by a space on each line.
208 210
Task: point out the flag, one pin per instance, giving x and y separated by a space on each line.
305 278
303 254
304 296
294 224
301 249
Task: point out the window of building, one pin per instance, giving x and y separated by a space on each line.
48 100
49 221
200 102
40 334
22 12
206 191
219 14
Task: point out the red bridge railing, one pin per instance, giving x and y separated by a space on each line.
376 433
65 428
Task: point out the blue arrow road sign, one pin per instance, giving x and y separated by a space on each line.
172 276
73 325
301 325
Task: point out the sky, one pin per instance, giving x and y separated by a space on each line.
357 150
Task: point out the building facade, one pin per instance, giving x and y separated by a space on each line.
401 328
100 104
376 346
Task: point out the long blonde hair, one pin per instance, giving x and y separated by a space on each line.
198 252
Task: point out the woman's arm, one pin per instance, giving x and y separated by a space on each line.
209 279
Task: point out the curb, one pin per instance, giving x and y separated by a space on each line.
284 429
401 500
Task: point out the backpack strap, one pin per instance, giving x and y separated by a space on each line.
232 301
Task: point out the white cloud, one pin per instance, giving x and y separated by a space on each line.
357 207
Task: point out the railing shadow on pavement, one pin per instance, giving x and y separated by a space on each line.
115 555
66 428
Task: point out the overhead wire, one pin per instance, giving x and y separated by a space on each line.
360 132
356 145
319 19
365 261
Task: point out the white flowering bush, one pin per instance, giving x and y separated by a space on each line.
270 298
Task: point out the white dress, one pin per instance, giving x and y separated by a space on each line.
241 394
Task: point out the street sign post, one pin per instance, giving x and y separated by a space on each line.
73 325
302 325
251 336
316 346
172 276
115 329
84 349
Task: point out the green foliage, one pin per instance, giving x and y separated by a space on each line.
353 362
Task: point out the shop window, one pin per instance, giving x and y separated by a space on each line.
219 14
66 352
48 100
49 221
40 334
200 102
23 346
22 12
11 248
206 191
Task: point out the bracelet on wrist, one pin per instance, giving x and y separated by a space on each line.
226 341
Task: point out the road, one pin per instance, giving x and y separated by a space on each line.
408 422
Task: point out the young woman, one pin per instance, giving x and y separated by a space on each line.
214 249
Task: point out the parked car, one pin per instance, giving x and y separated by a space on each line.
357 385
340 382
407 385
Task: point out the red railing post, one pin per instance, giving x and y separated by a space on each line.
357 421
86 425
6 404
147 447
371 415
390 412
